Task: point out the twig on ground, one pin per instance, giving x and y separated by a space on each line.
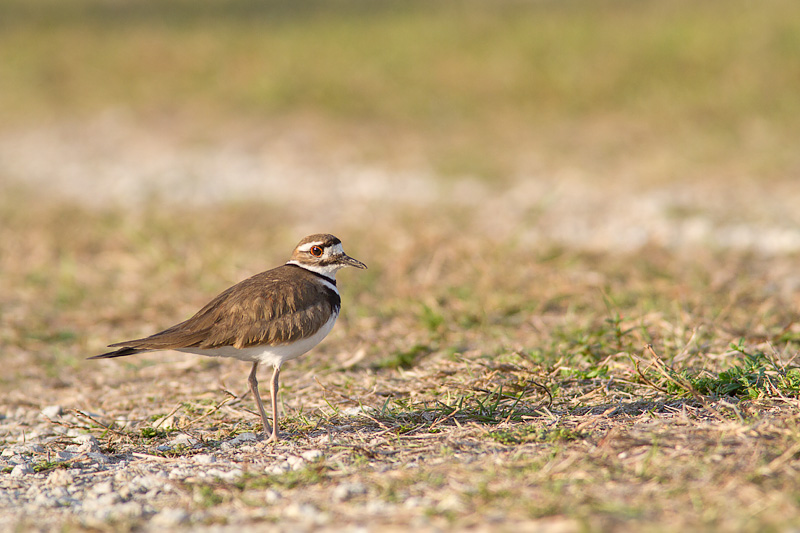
166 417
92 419
216 408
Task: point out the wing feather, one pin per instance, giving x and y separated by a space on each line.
248 314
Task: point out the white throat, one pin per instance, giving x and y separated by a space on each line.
329 271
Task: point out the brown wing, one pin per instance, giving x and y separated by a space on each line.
272 308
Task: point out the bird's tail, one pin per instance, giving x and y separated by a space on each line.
122 352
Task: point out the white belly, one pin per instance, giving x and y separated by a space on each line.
269 355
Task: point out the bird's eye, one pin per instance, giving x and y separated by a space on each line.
316 251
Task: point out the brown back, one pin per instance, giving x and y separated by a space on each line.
274 307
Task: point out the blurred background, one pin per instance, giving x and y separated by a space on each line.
602 125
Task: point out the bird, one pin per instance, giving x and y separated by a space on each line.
270 318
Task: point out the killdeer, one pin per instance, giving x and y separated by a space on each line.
271 318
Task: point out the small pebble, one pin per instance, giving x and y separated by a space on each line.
242 438
103 488
87 443
170 517
232 475
64 456
60 478
278 468
311 455
22 449
178 473
296 463
345 491
99 458
182 439
127 510
107 500
204 459
44 499
307 512
52 411
165 422
21 470
362 410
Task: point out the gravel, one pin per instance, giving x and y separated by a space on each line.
63 476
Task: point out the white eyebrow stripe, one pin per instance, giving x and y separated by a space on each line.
307 246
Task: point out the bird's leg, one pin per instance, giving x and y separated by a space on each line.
254 389
273 391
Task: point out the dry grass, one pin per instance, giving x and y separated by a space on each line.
454 392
